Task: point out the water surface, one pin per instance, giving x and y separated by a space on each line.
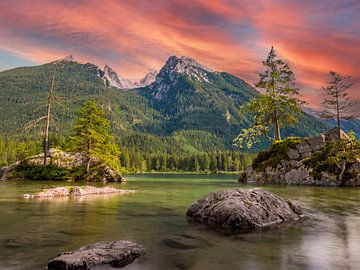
33 231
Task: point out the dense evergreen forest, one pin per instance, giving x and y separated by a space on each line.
139 161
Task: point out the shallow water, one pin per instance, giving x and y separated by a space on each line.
33 231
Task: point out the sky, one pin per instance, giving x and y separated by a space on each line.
226 35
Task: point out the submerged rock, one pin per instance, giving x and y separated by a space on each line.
115 254
186 241
241 210
75 191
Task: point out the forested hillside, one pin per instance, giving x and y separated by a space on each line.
188 109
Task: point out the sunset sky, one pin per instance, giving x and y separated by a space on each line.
226 35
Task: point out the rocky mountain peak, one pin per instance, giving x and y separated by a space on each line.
175 68
115 80
148 79
184 65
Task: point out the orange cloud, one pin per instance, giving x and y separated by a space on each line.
229 35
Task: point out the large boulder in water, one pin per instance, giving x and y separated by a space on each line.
243 210
116 254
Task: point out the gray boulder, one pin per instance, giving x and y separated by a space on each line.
242 210
115 254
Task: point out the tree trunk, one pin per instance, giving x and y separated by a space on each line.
46 133
89 157
88 165
338 113
276 127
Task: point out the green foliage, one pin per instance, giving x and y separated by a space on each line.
276 153
91 135
38 172
335 157
277 107
12 150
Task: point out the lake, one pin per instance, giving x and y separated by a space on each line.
34 231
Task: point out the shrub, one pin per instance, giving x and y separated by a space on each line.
277 152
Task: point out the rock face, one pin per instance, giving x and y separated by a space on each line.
75 191
68 160
294 167
241 210
115 254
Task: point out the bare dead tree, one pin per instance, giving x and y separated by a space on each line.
46 117
47 126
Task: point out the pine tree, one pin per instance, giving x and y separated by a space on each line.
196 164
206 162
213 162
92 138
279 106
338 105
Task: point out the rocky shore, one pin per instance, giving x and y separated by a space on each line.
323 160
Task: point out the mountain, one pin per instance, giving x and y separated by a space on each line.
346 124
113 79
188 108
117 81
148 79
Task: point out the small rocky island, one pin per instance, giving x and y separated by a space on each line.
61 166
323 160
73 191
243 210
115 254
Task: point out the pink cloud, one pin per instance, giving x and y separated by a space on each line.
229 35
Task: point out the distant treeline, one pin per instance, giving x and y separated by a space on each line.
227 161
136 161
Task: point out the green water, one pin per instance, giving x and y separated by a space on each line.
33 231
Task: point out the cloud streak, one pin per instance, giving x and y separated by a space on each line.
229 35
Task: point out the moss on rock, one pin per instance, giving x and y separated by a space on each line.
275 154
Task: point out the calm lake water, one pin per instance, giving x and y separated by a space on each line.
33 231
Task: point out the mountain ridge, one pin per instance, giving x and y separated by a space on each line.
198 109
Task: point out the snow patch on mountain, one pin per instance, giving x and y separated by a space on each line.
115 80
148 79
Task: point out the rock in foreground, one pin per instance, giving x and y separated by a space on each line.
116 254
75 191
241 210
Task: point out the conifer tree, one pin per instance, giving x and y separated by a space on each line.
277 107
337 104
91 136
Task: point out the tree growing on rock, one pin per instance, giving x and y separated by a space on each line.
338 105
91 136
277 107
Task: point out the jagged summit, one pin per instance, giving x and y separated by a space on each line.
185 65
148 79
175 72
116 80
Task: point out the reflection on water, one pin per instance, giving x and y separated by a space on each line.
33 231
